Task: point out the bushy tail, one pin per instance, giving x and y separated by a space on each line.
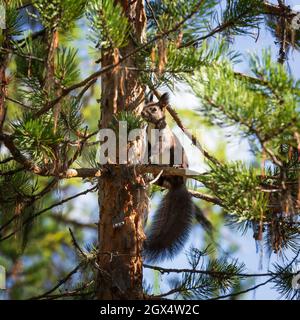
171 224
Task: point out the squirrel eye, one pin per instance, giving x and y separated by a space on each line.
154 109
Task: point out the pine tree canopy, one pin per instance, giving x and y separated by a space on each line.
72 227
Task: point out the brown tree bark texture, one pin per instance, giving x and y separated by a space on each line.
122 194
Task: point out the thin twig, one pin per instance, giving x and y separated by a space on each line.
20 54
75 293
75 243
18 102
208 272
60 283
85 89
77 224
206 197
34 198
153 15
105 69
258 285
28 220
6 160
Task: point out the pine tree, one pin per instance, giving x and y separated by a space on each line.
49 134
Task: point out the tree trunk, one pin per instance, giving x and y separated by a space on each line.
122 194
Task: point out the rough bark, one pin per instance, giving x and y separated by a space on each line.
122 194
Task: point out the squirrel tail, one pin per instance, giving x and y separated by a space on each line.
171 223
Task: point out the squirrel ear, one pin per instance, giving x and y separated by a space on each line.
164 100
149 98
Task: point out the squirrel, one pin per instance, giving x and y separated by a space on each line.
172 221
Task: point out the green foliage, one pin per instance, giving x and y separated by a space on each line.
59 13
71 117
19 183
239 189
194 58
12 22
284 281
188 43
18 186
168 13
109 26
243 16
40 265
180 64
132 121
37 137
30 67
90 158
239 17
32 93
66 71
217 276
266 109
277 78
19 205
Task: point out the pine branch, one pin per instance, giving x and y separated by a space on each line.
110 67
20 54
85 89
31 200
172 291
34 216
279 10
77 224
206 197
138 168
11 172
251 129
260 284
282 11
46 170
6 160
183 289
224 26
76 245
86 172
207 272
244 291
18 103
80 147
74 293
153 15
59 284
21 43
28 164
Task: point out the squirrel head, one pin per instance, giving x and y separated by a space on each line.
154 112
